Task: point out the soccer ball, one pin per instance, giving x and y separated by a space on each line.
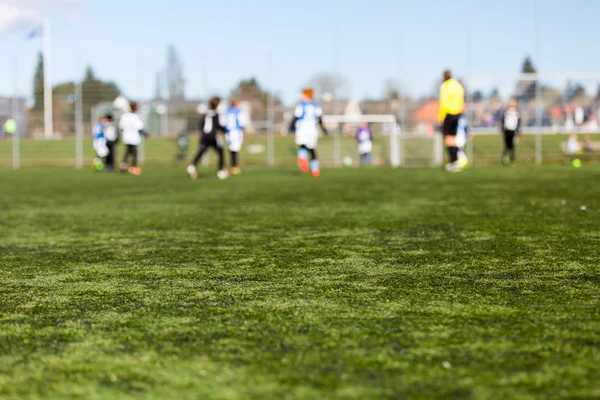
223 174
347 161
98 164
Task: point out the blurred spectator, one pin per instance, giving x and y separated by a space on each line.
587 144
573 145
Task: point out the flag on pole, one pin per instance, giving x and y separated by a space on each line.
37 32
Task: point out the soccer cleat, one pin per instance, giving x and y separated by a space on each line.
453 167
303 163
192 172
314 168
235 171
135 171
123 167
223 174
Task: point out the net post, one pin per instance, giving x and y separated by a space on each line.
395 156
438 151
16 145
337 146
78 126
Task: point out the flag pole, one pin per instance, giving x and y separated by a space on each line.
48 117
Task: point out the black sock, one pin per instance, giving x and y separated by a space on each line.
513 155
453 151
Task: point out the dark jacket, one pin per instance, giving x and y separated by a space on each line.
210 125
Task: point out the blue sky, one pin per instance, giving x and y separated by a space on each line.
222 42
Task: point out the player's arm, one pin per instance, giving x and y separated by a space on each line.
220 127
243 120
443 101
322 125
97 131
141 129
201 124
502 118
298 112
319 115
519 125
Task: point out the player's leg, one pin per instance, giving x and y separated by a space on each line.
315 167
125 161
235 169
508 138
222 173
134 170
302 156
191 169
235 146
461 142
110 158
450 130
511 147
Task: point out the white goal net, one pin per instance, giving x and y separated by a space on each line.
391 146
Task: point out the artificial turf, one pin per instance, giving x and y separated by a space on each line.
362 284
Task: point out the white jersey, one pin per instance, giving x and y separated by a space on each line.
110 132
511 120
307 131
131 125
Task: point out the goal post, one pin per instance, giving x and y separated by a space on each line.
404 148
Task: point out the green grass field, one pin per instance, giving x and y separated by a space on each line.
416 152
363 284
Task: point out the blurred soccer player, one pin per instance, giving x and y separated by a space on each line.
462 137
99 144
112 138
510 128
306 118
132 127
210 127
452 104
364 137
235 123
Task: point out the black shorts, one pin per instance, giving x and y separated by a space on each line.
509 139
451 124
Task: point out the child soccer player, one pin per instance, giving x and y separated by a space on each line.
100 144
510 128
111 135
132 127
364 137
235 124
210 127
306 117
462 136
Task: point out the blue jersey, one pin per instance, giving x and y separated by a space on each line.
98 131
307 114
235 120
364 135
